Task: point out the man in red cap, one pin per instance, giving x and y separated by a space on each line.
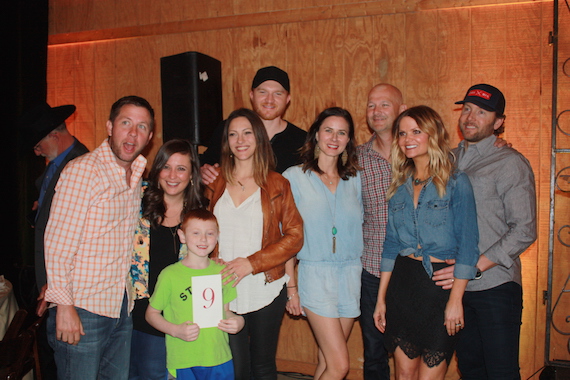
504 188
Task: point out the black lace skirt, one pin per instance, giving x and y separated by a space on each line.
415 313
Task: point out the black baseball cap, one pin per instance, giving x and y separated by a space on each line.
271 73
488 97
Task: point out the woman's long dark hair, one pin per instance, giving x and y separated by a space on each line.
263 157
310 162
154 207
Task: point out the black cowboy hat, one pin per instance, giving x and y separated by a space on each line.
38 121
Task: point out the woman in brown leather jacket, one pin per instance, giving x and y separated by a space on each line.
260 230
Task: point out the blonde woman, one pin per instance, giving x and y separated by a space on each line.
431 218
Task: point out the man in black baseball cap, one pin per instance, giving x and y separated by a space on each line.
270 96
271 73
487 97
504 189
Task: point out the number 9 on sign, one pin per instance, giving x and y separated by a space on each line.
209 296
207 303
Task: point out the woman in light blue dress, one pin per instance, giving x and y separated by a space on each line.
327 192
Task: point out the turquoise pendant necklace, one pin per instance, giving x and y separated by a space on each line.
334 239
333 214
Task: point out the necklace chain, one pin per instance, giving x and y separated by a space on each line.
418 182
327 178
333 214
173 232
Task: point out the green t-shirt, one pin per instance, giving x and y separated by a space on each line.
173 295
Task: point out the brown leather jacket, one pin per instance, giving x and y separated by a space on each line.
282 225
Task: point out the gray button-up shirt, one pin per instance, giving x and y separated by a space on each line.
504 188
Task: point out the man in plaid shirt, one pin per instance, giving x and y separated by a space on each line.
385 103
88 243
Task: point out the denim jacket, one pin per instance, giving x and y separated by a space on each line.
443 228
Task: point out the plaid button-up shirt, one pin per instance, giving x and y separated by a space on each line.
376 177
89 235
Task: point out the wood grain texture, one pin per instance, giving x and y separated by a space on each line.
334 52
561 261
86 18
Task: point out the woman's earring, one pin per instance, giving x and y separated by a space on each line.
344 157
317 151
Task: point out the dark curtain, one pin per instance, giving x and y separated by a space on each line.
23 81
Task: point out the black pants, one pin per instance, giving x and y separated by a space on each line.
254 348
488 346
375 354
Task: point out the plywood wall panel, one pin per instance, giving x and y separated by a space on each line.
488 54
388 49
433 51
248 6
298 345
561 261
84 84
421 58
68 16
301 40
106 90
358 68
543 185
454 66
328 77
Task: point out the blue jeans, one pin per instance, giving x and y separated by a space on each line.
375 355
102 353
488 346
148 357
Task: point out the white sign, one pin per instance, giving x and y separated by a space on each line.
207 300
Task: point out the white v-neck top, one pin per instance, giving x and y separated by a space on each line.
241 233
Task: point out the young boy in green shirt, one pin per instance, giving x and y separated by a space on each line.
191 352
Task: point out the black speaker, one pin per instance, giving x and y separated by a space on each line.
191 96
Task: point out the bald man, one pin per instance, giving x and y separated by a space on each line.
385 103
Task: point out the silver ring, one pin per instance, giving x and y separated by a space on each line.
458 324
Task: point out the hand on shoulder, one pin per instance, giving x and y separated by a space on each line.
209 173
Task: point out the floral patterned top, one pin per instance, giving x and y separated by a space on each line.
139 271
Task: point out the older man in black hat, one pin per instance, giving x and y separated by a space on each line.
504 188
47 133
270 98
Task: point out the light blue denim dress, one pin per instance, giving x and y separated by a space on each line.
329 282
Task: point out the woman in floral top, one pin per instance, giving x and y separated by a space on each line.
174 187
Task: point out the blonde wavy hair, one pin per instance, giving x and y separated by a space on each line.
441 158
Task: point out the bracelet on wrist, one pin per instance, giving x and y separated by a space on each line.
289 298
294 286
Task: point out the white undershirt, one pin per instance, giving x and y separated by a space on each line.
241 233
